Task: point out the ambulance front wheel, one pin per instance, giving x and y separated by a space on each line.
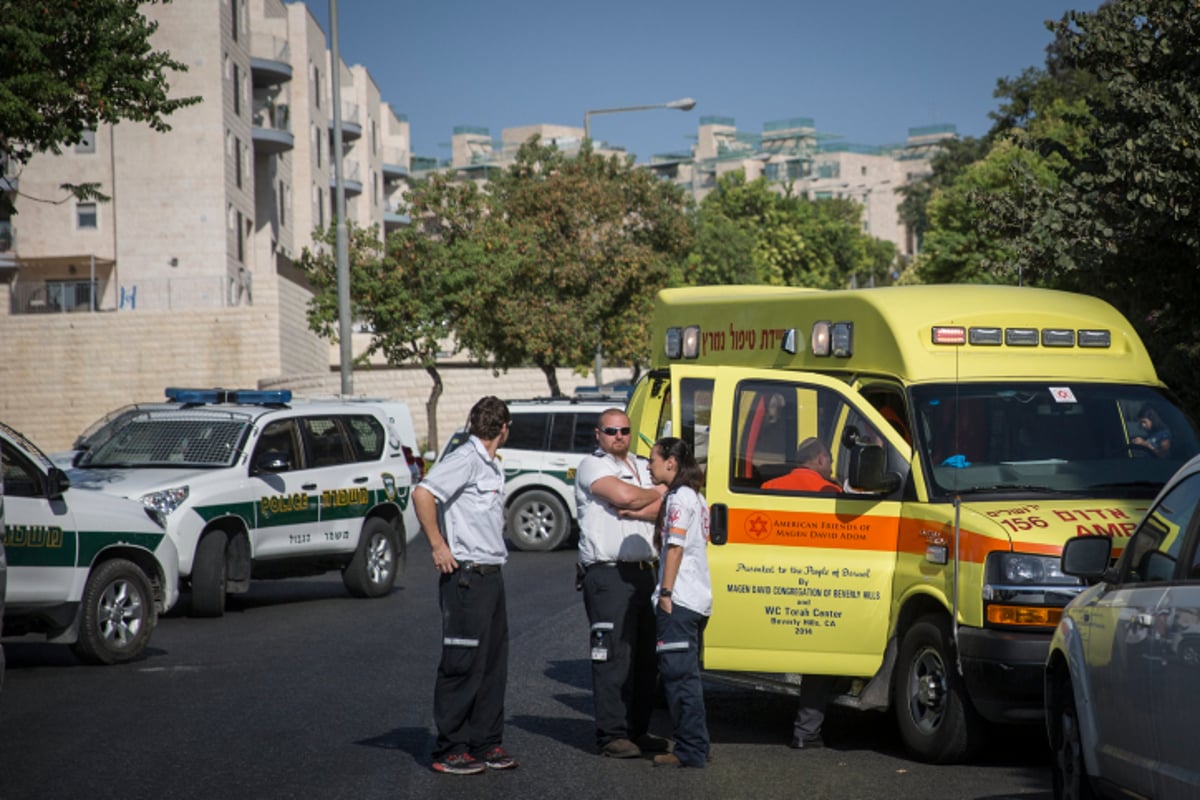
538 520
936 719
117 614
208 575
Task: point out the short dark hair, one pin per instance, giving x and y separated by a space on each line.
809 449
487 417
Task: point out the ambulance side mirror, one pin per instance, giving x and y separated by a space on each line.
868 470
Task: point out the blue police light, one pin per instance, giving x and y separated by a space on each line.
214 396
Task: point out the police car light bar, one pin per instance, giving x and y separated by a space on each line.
214 396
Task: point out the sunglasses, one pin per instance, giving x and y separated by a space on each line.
615 431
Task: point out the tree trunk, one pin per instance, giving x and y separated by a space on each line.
434 443
552 379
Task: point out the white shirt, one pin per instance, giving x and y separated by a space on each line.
603 534
686 525
469 487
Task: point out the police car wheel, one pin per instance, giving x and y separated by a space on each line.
537 520
936 719
117 614
372 571
1068 774
208 575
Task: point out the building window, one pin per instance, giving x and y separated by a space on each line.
234 20
864 169
85 216
282 205
237 167
316 78
87 142
320 208
237 90
241 241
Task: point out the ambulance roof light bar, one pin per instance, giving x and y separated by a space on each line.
216 396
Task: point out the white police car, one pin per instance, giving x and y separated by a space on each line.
250 486
84 569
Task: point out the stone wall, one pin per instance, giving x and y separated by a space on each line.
61 372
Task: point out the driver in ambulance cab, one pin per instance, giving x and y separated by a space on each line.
815 473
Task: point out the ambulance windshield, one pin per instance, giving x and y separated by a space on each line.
1026 439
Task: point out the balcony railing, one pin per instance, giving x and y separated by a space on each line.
156 294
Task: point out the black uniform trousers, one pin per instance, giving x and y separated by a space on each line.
624 664
468 698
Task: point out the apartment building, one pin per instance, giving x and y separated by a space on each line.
187 276
793 156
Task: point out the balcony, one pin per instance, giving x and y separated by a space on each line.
269 60
8 245
272 132
57 297
394 218
395 163
351 179
351 124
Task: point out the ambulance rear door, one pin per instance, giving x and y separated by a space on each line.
802 578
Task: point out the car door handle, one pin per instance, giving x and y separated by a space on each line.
308 487
1143 620
362 479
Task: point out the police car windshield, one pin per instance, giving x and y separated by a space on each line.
170 441
1036 438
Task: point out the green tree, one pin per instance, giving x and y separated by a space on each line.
1128 206
410 291
67 66
571 253
748 233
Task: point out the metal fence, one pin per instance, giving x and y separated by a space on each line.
160 294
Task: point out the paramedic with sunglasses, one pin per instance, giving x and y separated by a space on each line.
617 502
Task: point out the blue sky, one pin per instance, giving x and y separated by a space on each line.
866 70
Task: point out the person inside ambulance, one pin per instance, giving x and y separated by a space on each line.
1153 434
814 473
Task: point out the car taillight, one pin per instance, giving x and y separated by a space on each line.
416 464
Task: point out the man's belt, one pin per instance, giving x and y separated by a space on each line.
648 564
478 569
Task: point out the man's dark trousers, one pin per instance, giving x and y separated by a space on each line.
468 698
623 680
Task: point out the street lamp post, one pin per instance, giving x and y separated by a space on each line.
682 104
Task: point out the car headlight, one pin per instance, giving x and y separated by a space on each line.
160 504
1024 589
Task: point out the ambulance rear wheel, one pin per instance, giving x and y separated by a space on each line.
538 520
117 614
936 719
208 575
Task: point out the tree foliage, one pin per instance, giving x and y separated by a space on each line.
571 254
70 65
409 292
1089 184
747 233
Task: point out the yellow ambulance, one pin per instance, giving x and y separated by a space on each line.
968 431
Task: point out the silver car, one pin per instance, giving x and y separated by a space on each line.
1123 674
